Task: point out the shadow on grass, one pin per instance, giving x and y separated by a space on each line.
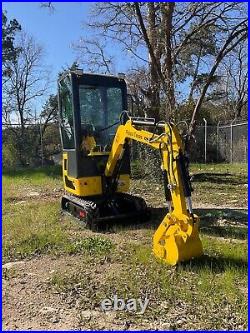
215 264
220 178
237 221
50 171
234 222
226 232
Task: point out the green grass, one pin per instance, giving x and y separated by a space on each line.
35 174
51 175
31 229
202 283
212 288
235 168
32 224
213 184
37 228
218 183
92 245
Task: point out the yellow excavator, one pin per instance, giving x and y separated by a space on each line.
96 134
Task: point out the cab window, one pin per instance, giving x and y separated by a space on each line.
66 114
100 108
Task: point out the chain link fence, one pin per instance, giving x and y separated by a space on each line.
221 143
212 144
32 145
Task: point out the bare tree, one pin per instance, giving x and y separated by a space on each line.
91 54
28 82
236 87
235 37
184 42
49 114
48 5
26 86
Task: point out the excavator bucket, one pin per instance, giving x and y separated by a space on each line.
177 239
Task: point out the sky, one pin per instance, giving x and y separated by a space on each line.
56 31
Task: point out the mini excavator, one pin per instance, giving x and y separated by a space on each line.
96 133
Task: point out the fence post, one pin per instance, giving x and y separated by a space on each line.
217 141
205 129
231 141
41 138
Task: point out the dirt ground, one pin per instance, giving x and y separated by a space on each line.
31 302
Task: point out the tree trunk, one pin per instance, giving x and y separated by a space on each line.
154 89
167 10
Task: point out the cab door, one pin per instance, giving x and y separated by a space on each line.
67 131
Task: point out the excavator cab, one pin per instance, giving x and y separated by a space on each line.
90 107
96 134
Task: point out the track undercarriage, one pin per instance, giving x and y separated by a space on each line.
99 213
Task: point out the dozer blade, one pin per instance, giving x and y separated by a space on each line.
177 239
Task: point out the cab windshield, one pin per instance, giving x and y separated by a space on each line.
100 108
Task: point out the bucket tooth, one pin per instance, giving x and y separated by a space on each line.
177 240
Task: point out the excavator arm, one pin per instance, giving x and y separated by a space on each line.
177 237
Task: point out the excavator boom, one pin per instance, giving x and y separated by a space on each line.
177 237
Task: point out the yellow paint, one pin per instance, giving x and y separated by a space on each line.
91 186
177 237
